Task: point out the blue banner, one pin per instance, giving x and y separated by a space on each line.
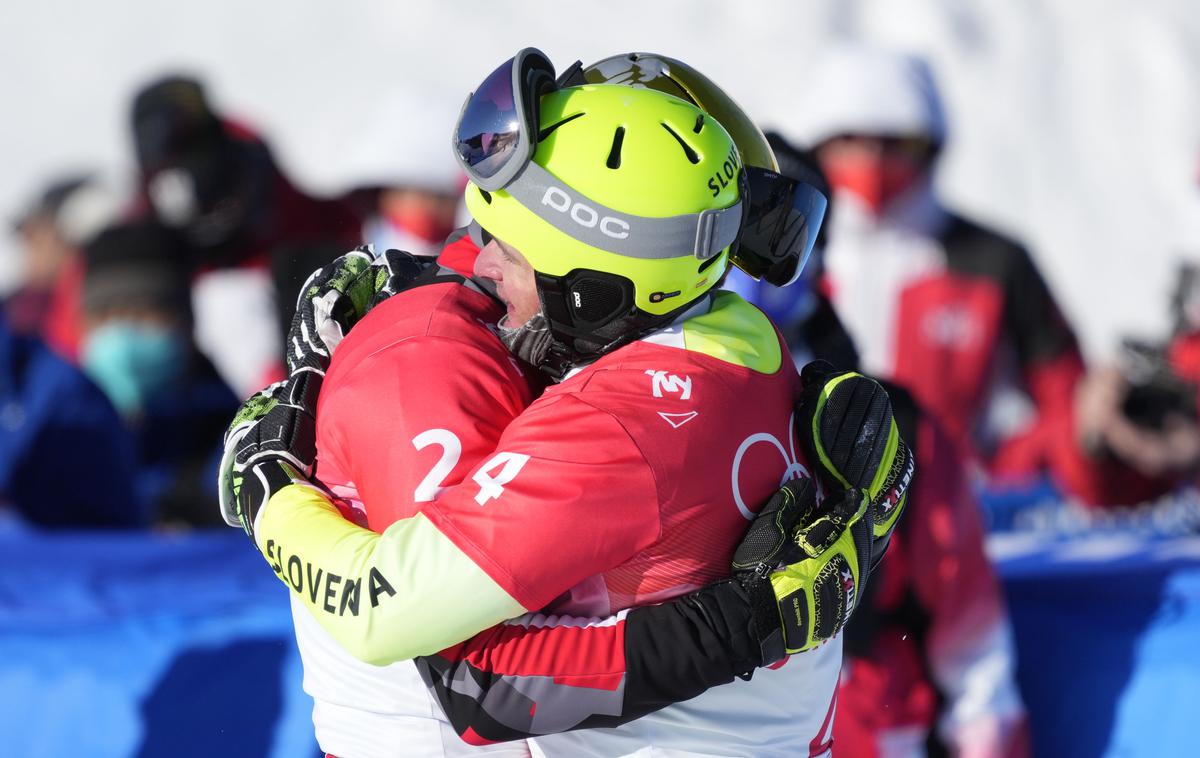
116 644
1106 627
132 644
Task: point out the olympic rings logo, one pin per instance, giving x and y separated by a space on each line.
793 469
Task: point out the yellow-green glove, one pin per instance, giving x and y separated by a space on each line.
804 566
272 442
850 439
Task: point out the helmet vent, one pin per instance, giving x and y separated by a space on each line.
614 155
544 133
687 149
699 123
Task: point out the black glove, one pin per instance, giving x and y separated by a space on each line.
393 272
272 440
336 296
850 439
270 444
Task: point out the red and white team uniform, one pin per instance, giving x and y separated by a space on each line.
629 483
960 316
691 458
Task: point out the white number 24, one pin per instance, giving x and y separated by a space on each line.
491 486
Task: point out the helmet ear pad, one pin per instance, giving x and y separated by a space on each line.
591 313
583 306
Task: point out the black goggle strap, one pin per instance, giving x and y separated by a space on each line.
572 77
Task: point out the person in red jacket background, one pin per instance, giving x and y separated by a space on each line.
52 230
930 665
955 312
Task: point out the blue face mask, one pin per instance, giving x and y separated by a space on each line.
132 361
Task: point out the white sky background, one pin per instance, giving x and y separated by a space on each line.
1075 124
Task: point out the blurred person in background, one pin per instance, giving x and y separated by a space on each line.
801 311
217 183
955 312
406 178
1142 410
65 215
137 346
929 658
413 216
65 459
930 666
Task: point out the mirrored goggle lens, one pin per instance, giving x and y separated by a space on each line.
489 129
781 226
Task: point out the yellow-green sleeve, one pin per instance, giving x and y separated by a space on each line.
384 597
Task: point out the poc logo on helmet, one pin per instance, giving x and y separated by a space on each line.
584 215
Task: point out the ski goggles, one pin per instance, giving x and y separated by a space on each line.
780 229
496 133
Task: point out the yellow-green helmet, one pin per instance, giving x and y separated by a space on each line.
627 211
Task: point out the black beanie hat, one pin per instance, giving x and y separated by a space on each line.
171 117
142 264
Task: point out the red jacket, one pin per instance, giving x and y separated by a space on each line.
962 319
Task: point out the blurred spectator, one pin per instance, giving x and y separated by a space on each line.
137 346
412 217
929 658
218 184
65 459
407 178
955 312
52 229
1142 412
